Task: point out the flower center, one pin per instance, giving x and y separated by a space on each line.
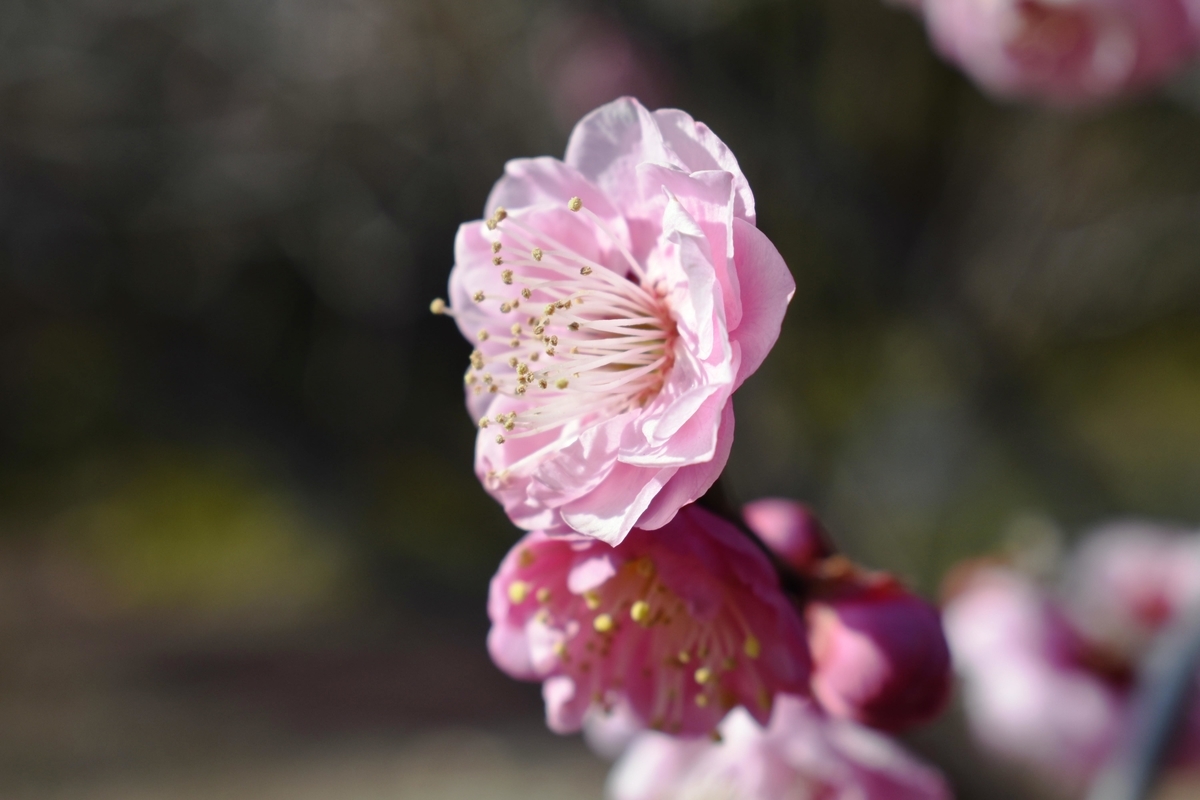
583 342
634 628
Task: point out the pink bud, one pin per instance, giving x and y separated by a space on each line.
879 656
790 529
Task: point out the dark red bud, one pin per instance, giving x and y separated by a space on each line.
879 656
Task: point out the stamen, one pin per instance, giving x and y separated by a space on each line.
605 356
752 648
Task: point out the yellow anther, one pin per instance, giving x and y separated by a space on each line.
491 224
493 389
534 356
585 270
543 595
483 336
516 329
497 260
592 599
507 277
479 297
512 362
518 591
549 309
703 675
520 390
506 307
561 383
527 293
554 341
574 326
644 567
603 623
499 440
575 204
526 558
640 611
543 384
684 656
483 423
537 254
702 700
437 306
495 247
560 650
752 648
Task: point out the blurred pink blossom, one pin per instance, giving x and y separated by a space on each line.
1029 691
585 60
790 529
1063 52
618 299
1047 675
1128 580
674 627
800 754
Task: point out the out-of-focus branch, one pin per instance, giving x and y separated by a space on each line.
1160 704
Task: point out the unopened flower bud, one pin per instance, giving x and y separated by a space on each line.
790 529
879 656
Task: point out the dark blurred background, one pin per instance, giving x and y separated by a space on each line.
242 552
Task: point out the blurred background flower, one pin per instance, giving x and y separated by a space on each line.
1049 671
242 549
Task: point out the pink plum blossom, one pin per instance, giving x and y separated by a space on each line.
1030 694
617 299
799 754
1063 52
1128 580
1048 675
677 625
790 529
879 654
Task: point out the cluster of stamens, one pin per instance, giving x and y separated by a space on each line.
583 341
686 656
